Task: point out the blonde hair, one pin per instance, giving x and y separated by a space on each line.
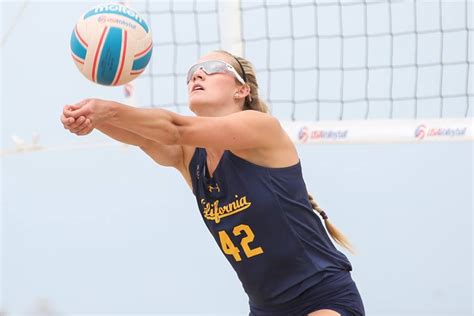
253 101
335 233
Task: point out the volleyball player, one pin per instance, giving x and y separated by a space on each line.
247 179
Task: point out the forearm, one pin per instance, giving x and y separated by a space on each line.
153 124
123 135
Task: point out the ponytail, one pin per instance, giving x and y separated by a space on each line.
335 233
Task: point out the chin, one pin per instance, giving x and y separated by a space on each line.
195 105
197 101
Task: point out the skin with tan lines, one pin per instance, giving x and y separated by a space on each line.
170 139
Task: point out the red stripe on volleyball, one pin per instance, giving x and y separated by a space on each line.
137 72
80 38
124 52
77 59
96 57
144 51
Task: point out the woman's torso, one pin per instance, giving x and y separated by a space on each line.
264 224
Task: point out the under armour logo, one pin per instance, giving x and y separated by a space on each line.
211 188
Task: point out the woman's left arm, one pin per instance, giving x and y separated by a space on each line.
241 130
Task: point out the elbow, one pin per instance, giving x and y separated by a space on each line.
171 135
172 138
172 129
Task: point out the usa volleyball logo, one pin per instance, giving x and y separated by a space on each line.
420 131
303 134
423 132
306 134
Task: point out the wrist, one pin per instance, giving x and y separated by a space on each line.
112 109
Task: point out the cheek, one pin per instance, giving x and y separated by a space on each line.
224 90
223 94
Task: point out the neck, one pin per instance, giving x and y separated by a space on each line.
210 110
214 154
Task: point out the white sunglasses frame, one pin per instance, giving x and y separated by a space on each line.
229 68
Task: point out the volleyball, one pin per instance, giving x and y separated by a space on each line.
111 44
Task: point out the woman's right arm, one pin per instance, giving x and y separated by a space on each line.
164 155
124 136
81 126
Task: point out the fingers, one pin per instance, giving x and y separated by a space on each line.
87 128
84 126
66 120
84 129
74 118
77 110
79 124
77 106
69 112
75 126
77 118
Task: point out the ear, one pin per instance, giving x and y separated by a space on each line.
244 90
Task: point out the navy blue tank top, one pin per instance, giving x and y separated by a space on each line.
263 222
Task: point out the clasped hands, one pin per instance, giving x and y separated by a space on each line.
81 118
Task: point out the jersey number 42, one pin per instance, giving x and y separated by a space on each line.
229 248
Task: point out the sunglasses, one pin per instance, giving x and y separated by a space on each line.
211 67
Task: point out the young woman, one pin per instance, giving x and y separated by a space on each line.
246 176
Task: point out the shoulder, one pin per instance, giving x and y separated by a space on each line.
240 130
256 117
277 149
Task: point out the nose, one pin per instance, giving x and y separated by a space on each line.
199 73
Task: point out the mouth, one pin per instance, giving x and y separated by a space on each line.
197 87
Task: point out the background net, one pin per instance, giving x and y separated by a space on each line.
353 71
326 60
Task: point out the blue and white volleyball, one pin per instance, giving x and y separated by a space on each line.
111 44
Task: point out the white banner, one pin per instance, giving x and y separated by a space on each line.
380 131
322 132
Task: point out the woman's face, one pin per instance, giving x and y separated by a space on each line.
212 94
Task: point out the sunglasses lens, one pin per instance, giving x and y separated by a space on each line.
211 67
215 67
191 72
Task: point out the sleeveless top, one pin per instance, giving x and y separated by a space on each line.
263 223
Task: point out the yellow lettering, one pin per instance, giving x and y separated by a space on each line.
214 212
228 246
246 240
